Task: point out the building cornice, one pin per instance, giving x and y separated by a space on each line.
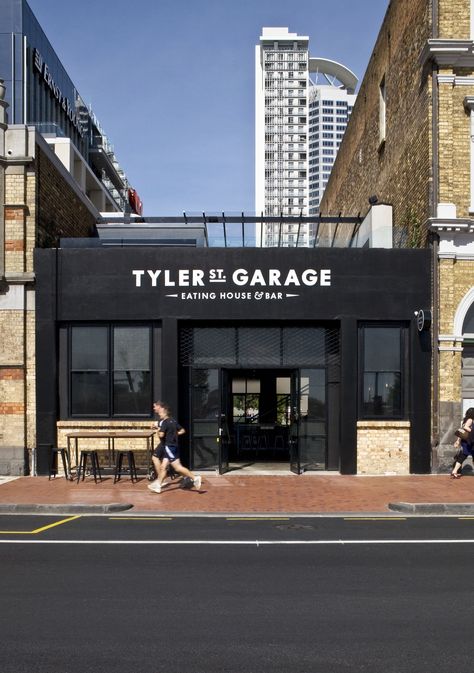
448 53
455 80
453 226
15 161
18 278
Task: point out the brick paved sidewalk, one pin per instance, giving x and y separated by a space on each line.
307 493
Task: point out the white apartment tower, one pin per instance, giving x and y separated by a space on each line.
302 106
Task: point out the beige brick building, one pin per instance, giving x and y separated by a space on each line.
410 143
39 202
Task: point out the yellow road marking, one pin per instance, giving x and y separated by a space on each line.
375 518
466 518
258 518
140 518
41 529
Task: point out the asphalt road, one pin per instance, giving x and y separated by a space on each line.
205 595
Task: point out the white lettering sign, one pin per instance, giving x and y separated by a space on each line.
256 282
69 109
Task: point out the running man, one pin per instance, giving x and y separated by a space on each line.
168 452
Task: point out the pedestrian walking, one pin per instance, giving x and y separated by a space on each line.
167 452
464 446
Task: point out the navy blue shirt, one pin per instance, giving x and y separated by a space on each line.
170 427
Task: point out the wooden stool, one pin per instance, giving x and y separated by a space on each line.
119 469
95 468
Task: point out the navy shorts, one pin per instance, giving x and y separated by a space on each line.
171 453
159 452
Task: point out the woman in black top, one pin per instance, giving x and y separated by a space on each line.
465 446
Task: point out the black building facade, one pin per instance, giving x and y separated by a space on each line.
273 353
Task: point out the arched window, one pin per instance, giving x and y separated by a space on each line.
468 324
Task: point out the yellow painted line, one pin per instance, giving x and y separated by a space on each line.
257 518
140 518
375 518
41 529
466 518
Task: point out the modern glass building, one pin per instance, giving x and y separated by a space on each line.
302 106
40 93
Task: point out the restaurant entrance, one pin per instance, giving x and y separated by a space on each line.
273 415
261 413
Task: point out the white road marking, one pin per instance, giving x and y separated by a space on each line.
256 543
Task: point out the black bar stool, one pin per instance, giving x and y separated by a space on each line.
57 451
121 470
95 468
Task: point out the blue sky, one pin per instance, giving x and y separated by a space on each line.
172 83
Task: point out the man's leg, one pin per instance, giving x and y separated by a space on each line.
156 464
162 469
186 473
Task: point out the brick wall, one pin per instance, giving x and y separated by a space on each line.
383 447
398 170
456 279
138 445
61 213
454 19
454 137
40 206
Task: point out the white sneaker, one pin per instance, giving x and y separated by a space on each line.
155 487
197 482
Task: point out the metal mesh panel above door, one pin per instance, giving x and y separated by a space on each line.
249 346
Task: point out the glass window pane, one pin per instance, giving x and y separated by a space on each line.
381 349
253 385
238 386
238 405
468 326
132 348
89 394
283 385
252 404
313 418
382 394
206 396
132 393
89 348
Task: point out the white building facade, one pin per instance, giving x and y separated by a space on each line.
295 96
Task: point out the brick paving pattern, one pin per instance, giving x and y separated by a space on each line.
248 494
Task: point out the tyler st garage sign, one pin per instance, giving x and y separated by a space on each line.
239 284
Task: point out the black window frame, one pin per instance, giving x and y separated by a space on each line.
110 327
404 370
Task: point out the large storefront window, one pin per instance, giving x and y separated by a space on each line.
382 369
110 371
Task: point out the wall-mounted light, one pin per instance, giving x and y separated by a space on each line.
423 320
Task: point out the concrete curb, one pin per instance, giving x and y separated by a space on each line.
74 508
432 507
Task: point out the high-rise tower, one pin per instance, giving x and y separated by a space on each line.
295 141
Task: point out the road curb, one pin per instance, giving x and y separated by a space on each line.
74 508
432 507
